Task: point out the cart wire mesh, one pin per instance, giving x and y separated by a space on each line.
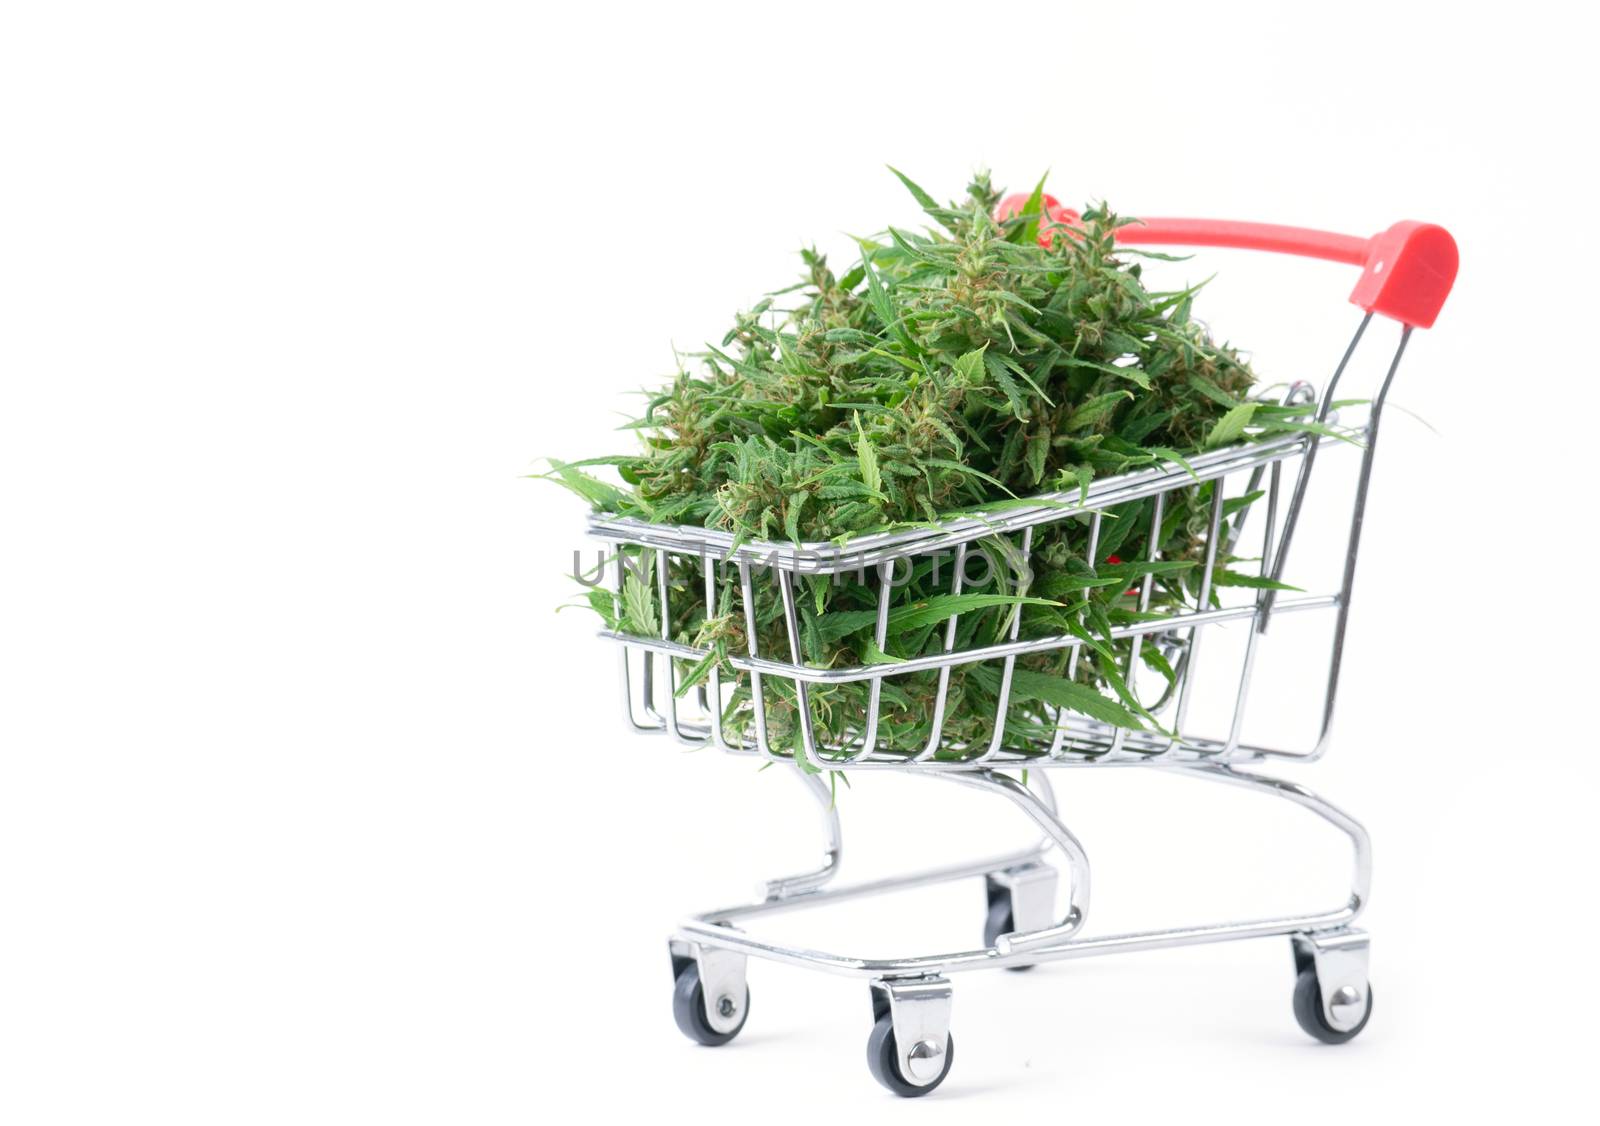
1230 485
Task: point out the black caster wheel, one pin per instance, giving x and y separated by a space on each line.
999 921
689 1010
884 1063
1308 1010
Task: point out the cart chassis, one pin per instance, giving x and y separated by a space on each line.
916 989
911 1048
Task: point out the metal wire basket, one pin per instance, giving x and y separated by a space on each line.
1406 275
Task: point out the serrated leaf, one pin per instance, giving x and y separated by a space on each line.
638 608
930 611
1097 408
603 496
696 672
924 200
1165 453
1211 391
969 367
1063 693
867 460
1132 374
1230 427
842 623
1027 231
1038 450
1257 582
1236 504
791 518
1001 376
872 655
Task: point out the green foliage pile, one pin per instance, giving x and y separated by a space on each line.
945 371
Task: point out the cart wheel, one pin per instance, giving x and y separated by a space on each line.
999 921
884 1063
689 1010
1308 1010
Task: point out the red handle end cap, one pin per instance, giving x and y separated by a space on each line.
1408 274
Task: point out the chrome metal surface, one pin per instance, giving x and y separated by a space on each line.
1341 958
1303 480
1061 939
863 553
1032 888
722 983
920 1010
810 881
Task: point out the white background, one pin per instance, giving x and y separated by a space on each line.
312 809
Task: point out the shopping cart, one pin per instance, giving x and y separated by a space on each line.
1406 274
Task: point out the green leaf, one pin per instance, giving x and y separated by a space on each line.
1084 476
924 200
1276 425
842 623
1008 386
697 672
957 467
1021 373
1235 578
1027 232
1235 504
876 293
1093 410
929 611
1138 568
1136 430
1164 453
601 602
1230 427
603 496
872 655
1063 693
1132 374
1038 449
867 460
638 608
969 367
1211 391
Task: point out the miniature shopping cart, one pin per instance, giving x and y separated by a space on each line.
1406 274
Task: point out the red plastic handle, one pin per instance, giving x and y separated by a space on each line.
1406 271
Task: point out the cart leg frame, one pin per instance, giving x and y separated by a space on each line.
914 991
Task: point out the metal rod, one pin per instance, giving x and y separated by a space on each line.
714 677
936 731
1146 586
1191 657
789 886
1010 662
625 651
802 694
707 929
1353 547
823 558
1247 670
1304 479
758 700
972 656
880 636
1092 552
662 588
